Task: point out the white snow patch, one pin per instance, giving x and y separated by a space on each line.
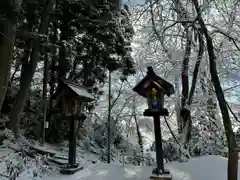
206 167
199 168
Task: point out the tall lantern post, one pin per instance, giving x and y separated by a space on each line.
153 88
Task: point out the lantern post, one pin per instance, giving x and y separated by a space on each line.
153 88
73 99
72 134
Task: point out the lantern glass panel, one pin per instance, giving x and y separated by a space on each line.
155 99
74 106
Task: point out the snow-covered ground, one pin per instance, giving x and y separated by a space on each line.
200 168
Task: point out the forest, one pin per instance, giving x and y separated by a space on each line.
106 47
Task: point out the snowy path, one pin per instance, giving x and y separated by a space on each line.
202 168
108 172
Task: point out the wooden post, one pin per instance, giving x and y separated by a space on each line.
123 158
45 81
158 142
72 143
109 120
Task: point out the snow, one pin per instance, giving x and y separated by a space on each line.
205 167
199 168
109 172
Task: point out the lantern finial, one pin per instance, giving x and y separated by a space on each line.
150 70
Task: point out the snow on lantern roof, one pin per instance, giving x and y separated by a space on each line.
81 92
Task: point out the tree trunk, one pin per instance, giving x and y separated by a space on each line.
17 66
196 68
25 83
185 67
178 104
7 38
109 119
186 114
232 154
140 139
28 71
52 81
44 95
185 119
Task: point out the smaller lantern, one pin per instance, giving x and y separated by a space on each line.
72 98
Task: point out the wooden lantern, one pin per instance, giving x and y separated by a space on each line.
153 88
72 98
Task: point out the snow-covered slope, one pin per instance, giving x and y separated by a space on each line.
202 168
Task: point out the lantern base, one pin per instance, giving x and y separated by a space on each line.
159 172
70 169
156 112
165 175
161 177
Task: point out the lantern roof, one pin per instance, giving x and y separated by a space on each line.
151 80
80 92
